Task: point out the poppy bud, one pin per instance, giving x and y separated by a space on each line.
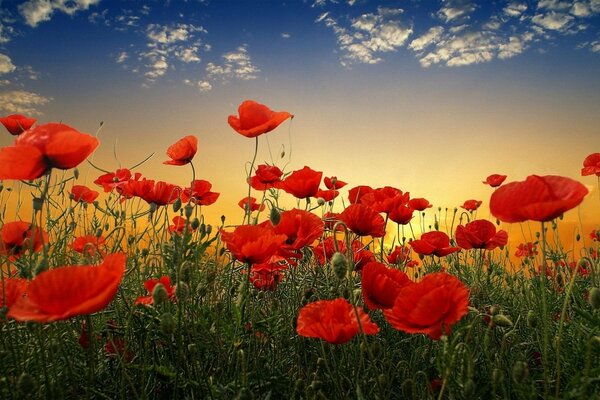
578 237
130 239
42 266
167 323
299 384
494 310
192 348
469 389
26 384
159 294
309 293
382 380
177 205
594 298
502 321
145 253
182 290
208 229
595 341
196 224
76 173
519 372
531 319
153 208
187 211
408 389
497 377
274 216
222 219
1 187
339 264
38 204
106 227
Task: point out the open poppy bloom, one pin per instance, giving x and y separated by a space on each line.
250 204
200 193
356 194
591 165
302 183
333 321
471 205
88 244
16 124
399 255
326 249
253 244
19 236
538 198
495 180
400 210
38 150
12 290
266 177
433 243
333 183
380 285
526 250
300 227
363 220
361 255
182 151
83 194
266 276
419 204
62 293
430 306
254 119
150 284
159 193
179 225
327 195
115 179
480 234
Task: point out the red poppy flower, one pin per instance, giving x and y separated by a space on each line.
380 285
266 276
252 205
327 195
88 244
419 204
300 227
12 290
591 165
162 193
400 255
16 124
433 243
38 150
255 119
135 188
18 237
334 321
179 225
471 205
330 219
384 199
252 244
401 213
526 250
200 193
333 183
302 183
182 151
65 292
356 194
494 180
595 235
361 256
150 284
363 220
480 234
266 177
326 249
83 194
430 306
538 198
113 180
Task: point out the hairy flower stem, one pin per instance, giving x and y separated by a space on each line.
545 327
247 212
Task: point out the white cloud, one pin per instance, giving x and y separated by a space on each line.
555 5
5 32
285 35
164 34
122 57
456 9
595 47
426 39
188 55
553 21
36 11
368 35
22 102
202 86
581 9
6 65
237 65
515 9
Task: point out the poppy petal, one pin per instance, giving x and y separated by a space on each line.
21 162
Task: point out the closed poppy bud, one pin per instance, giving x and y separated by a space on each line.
167 323
208 229
182 290
339 264
531 319
187 211
519 372
38 204
177 205
145 252
159 294
502 321
274 216
26 384
195 224
76 173
594 298
469 389
497 377
578 237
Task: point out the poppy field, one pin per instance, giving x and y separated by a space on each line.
120 288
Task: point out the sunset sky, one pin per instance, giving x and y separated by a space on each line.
427 96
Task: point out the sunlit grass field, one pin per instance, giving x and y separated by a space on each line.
121 289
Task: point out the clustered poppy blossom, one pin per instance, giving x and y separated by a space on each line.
16 124
179 225
334 321
430 306
480 234
83 194
419 204
65 292
18 237
38 150
526 250
399 255
150 284
591 165
254 119
538 198
433 243
266 276
183 151
381 285
253 244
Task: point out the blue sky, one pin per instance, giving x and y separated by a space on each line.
427 96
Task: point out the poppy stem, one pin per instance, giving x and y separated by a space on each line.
247 212
543 282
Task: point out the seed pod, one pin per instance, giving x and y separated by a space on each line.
531 319
339 262
502 320
182 291
167 324
159 294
